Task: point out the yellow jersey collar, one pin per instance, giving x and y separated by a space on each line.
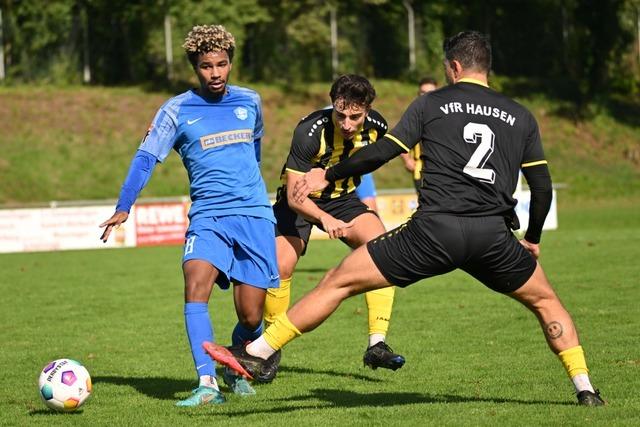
474 81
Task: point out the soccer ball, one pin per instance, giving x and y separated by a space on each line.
64 385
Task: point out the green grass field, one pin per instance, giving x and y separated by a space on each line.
473 357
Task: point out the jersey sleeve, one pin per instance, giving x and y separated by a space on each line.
535 169
408 131
161 136
533 154
258 130
303 149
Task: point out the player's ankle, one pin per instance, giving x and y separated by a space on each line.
375 339
260 348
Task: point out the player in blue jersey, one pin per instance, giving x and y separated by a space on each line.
216 130
366 191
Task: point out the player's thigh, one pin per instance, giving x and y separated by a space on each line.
356 274
347 208
423 247
365 227
535 290
199 276
291 226
494 255
207 254
289 250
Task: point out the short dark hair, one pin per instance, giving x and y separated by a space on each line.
428 81
353 90
471 48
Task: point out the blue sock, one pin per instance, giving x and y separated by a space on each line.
241 334
199 329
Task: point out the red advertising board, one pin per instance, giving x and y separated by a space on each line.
161 224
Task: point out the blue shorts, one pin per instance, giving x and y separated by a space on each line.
367 188
242 248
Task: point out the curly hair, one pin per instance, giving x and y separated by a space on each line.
351 89
208 38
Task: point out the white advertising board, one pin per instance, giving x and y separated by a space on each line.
59 228
49 229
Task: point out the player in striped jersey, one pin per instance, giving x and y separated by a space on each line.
322 139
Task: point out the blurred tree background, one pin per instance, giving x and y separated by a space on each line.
577 50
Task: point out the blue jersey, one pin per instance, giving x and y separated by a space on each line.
219 145
367 187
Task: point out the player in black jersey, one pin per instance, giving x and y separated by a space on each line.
474 142
322 139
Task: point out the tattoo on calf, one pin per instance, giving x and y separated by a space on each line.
554 330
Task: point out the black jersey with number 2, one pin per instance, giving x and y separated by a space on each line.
474 142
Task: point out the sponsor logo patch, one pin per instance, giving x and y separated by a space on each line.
225 138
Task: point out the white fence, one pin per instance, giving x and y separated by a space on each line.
162 222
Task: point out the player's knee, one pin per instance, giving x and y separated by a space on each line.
540 299
287 261
195 290
285 270
250 319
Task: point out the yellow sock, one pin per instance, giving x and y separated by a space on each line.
281 332
379 304
277 301
574 361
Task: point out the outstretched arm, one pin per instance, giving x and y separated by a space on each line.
140 171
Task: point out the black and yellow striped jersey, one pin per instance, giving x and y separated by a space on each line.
318 143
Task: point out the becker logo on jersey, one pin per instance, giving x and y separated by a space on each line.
225 138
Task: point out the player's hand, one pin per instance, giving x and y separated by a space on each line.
533 248
410 164
310 182
335 228
115 221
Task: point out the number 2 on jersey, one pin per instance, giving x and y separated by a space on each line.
475 133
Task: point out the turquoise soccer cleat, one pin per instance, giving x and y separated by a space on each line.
202 396
237 383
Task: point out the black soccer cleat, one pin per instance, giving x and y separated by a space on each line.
270 368
588 398
381 355
237 359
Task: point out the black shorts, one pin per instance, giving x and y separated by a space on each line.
434 244
289 223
